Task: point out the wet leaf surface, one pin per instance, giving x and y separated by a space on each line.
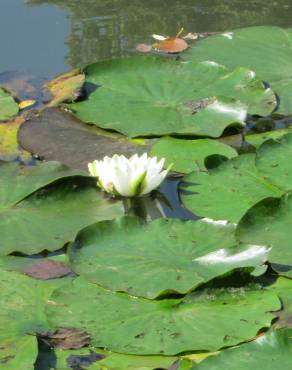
56 135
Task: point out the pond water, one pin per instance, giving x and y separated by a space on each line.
48 37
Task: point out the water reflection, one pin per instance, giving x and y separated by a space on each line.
103 29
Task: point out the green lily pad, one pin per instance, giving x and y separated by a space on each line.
283 288
9 148
268 223
22 304
149 259
34 218
56 135
257 140
144 96
97 359
273 161
8 106
227 191
266 50
19 353
126 324
271 351
189 155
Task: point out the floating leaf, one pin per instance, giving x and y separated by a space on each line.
9 148
66 87
26 103
95 359
134 325
149 259
171 45
283 287
18 353
268 223
47 269
143 96
250 47
273 161
32 221
22 305
189 155
67 338
257 140
57 135
227 191
270 351
8 106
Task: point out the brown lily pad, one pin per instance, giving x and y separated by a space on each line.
67 338
66 87
58 136
48 269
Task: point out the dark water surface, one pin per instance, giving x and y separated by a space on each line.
49 37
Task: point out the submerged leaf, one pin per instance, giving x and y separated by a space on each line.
57 135
47 269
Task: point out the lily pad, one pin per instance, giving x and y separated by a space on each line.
256 140
22 304
149 259
144 96
8 106
270 351
227 191
203 321
283 287
189 155
268 223
96 359
9 148
273 161
266 50
32 221
57 135
19 353
66 87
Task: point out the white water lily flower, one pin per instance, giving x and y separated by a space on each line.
128 177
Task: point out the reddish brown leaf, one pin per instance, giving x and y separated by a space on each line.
67 338
171 45
45 270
